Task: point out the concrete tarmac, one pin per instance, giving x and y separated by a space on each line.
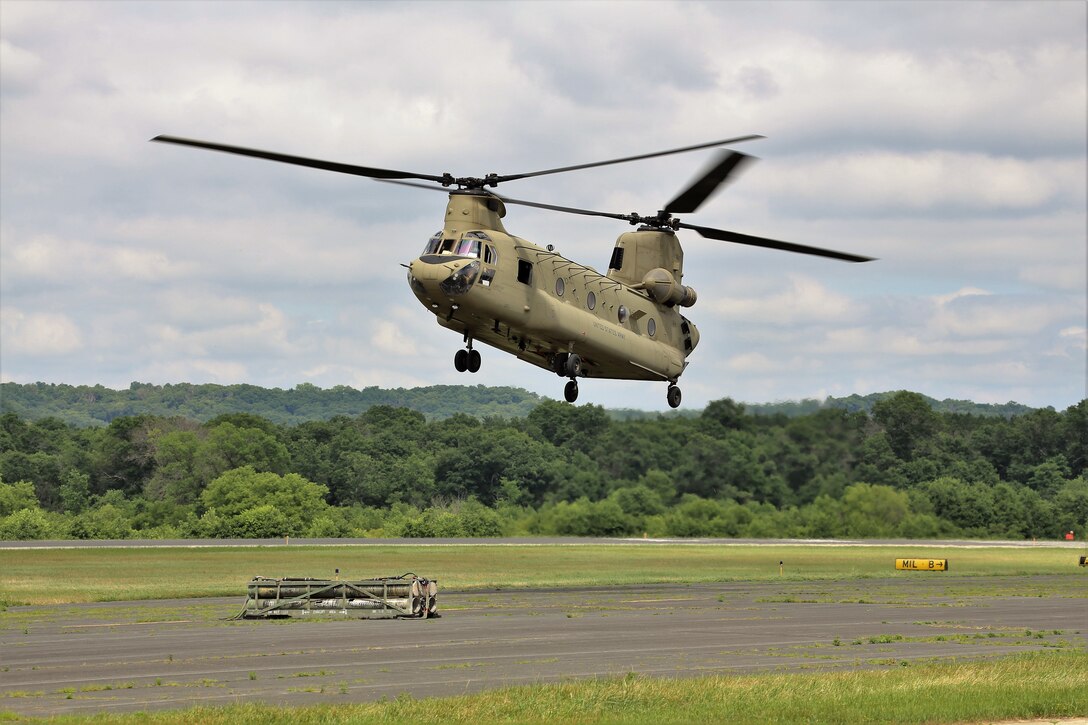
126 656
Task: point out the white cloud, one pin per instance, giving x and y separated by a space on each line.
802 301
896 182
44 334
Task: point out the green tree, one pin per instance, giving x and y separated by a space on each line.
43 470
696 516
105 520
824 518
1071 509
968 506
227 447
26 524
482 460
873 511
724 415
16 496
478 520
908 420
589 518
124 456
1049 476
736 466
638 501
878 463
1074 432
576 427
75 491
261 522
241 489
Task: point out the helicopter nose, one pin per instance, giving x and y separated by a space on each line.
449 278
461 280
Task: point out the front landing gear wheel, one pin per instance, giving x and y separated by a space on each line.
460 361
673 396
473 360
572 367
570 392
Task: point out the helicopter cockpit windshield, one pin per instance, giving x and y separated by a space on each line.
467 246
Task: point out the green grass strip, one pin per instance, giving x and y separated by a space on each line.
56 576
1027 686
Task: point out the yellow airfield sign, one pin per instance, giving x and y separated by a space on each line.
922 564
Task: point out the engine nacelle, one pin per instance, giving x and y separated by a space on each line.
663 287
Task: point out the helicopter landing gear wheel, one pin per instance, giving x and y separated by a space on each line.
460 361
570 392
473 360
673 396
572 366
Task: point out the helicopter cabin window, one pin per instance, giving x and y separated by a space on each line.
651 327
560 286
525 272
433 244
622 314
591 300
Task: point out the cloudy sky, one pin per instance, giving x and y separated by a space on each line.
946 139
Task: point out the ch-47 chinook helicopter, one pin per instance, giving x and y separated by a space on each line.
493 287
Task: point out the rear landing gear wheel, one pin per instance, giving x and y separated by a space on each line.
570 392
460 361
673 396
473 360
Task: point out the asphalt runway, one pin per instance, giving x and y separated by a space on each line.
127 656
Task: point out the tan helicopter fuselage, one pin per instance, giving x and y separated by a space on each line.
495 288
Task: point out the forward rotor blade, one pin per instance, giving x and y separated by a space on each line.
520 202
512 177
301 160
443 189
691 198
553 207
722 235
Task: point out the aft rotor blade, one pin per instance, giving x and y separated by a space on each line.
369 171
725 236
711 144
691 198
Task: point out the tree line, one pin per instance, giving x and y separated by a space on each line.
902 469
91 405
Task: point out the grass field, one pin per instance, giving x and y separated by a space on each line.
1031 686
56 576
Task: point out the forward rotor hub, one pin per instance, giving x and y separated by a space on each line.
661 220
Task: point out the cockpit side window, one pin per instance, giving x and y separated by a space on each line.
433 243
490 256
